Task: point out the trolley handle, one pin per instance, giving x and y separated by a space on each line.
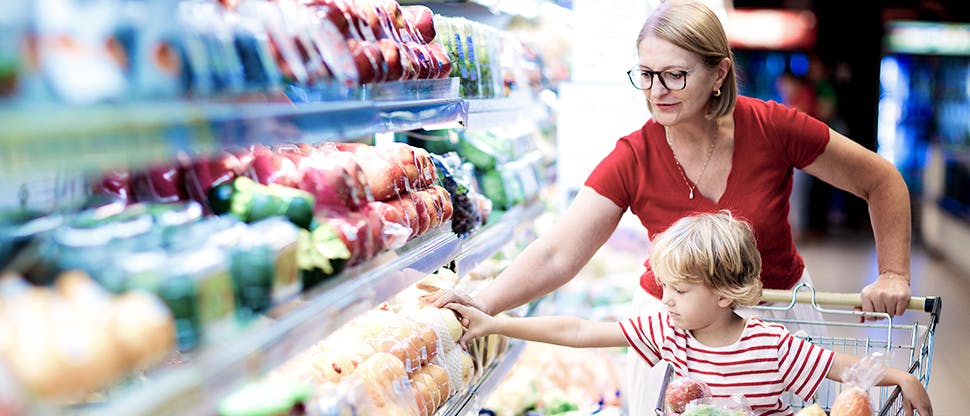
929 304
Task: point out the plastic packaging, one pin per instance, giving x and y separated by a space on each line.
682 390
854 398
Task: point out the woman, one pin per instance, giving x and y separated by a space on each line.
706 149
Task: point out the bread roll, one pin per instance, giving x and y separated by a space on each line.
144 329
379 373
851 401
813 410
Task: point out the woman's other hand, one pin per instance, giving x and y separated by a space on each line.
890 293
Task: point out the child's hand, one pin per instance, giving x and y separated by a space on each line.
476 322
915 396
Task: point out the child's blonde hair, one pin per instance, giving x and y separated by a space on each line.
714 249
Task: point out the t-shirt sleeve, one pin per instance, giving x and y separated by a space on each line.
803 365
803 137
643 333
614 177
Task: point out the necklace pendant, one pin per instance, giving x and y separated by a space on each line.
691 193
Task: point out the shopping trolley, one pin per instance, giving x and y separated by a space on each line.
906 346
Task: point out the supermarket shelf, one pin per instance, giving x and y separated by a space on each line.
214 373
53 138
218 370
471 401
45 138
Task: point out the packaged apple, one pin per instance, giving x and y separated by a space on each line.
161 182
204 172
683 390
282 45
334 50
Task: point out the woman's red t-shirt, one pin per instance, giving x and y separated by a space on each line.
770 140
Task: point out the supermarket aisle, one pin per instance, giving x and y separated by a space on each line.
839 262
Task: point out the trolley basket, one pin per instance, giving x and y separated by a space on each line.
907 346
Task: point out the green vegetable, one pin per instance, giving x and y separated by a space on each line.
251 201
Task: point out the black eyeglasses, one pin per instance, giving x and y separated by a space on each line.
642 79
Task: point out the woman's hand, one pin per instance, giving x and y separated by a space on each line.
476 323
890 293
442 297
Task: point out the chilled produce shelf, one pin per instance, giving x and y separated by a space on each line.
42 139
195 388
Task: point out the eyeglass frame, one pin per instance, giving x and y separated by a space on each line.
659 75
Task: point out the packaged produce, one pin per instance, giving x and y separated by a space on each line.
735 405
682 390
199 292
321 253
854 398
267 398
813 410
264 266
251 201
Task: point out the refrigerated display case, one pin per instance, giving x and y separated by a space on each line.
51 152
923 126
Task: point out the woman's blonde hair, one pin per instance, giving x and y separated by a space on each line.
714 249
693 26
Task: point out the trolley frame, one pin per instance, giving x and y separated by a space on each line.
914 353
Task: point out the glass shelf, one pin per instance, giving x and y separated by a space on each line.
46 138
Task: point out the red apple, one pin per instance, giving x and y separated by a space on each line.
423 20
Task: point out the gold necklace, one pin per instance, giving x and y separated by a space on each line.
681 167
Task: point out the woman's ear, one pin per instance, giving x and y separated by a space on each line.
722 69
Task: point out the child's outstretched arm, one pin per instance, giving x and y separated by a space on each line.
914 394
559 330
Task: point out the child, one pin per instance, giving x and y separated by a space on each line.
708 264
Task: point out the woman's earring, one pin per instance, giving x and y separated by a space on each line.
717 92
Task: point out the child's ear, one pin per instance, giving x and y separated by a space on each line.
724 301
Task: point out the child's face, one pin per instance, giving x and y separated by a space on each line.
691 305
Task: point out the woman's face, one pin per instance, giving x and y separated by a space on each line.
668 106
691 305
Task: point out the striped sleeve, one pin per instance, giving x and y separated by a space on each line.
803 365
641 333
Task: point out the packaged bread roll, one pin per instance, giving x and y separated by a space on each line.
383 375
852 401
143 327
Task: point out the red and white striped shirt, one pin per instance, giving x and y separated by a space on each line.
765 362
